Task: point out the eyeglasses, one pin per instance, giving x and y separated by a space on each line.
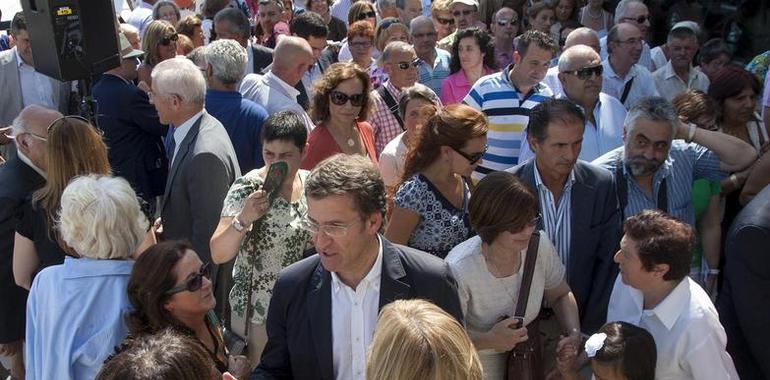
511 22
361 44
330 230
405 65
464 13
340 98
41 138
631 41
166 40
532 223
366 15
639 20
445 21
472 158
587 72
194 283
423 35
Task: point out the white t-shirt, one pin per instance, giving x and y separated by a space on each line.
392 160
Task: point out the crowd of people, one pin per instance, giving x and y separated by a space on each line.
391 189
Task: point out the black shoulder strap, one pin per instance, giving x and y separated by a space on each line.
529 270
626 90
663 196
391 103
621 186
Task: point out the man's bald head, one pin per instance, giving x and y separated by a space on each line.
577 57
291 59
583 36
30 130
421 21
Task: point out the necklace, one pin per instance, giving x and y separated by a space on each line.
351 143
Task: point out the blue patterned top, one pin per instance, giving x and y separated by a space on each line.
442 226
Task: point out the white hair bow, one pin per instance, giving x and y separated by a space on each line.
594 344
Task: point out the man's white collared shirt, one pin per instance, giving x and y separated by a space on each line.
354 315
642 87
670 85
181 132
688 336
36 88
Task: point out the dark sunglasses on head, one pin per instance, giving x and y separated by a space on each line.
462 13
194 283
445 21
587 72
366 15
405 65
472 158
73 117
639 20
340 98
512 21
166 40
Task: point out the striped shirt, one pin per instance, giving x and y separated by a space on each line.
508 113
557 215
685 164
433 76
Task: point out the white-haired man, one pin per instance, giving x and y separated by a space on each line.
203 161
242 118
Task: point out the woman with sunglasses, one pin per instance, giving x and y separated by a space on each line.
75 311
488 267
73 148
171 288
359 11
340 107
159 44
430 210
442 18
337 28
473 56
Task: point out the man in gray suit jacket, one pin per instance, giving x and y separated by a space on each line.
578 206
23 86
202 159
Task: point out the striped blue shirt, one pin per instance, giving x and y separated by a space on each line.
508 112
685 164
433 76
557 215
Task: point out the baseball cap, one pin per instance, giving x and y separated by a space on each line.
474 3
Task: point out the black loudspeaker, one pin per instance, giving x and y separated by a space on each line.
72 39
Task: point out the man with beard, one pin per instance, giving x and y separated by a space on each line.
654 171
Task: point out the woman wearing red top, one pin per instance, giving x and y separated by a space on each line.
473 56
340 105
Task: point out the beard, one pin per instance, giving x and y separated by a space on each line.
642 167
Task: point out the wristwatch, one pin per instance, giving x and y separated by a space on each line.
238 225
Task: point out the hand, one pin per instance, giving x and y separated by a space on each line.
144 87
255 207
5 136
239 366
228 376
157 227
504 337
10 349
566 354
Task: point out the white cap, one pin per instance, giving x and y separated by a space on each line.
474 3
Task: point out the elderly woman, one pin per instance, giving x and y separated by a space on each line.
431 203
337 28
416 105
75 311
166 10
340 106
542 16
263 233
593 16
159 44
171 288
361 41
489 267
73 148
190 26
473 56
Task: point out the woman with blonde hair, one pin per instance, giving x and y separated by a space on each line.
415 339
159 44
340 107
74 147
431 203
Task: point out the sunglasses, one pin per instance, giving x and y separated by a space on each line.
366 15
462 13
194 283
405 65
639 20
472 158
512 21
587 72
532 223
166 40
445 21
340 98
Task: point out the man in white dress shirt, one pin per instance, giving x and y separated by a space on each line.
654 292
624 78
324 308
679 75
579 36
633 12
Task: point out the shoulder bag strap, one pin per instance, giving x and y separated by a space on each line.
529 270
621 187
663 196
626 91
391 103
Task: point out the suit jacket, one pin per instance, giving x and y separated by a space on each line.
299 325
18 181
203 169
743 301
596 232
132 132
263 57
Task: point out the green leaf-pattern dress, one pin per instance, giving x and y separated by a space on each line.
275 241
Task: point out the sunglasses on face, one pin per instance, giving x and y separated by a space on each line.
462 13
639 20
472 158
364 16
340 98
165 41
587 72
445 21
511 22
194 283
405 65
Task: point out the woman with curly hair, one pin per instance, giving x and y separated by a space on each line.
473 56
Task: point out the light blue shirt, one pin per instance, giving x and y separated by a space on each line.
433 76
557 215
685 164
75 317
